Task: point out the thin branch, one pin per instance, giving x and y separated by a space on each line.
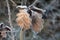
21 34
10 22
22 2
25 2
52 2
13 2
33 3
38 9
9 31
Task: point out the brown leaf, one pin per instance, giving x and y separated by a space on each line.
37 22
23 20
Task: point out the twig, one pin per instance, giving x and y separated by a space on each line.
13 2
53 2
33 3
25 2
22 2
10 22
21 34
9 31
38 9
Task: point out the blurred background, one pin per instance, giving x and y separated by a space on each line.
51 30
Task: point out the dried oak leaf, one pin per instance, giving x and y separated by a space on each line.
23 20
37 22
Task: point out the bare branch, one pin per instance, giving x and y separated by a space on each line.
38 9
13 2
25 2
53 2
10 22
9 31
33 3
